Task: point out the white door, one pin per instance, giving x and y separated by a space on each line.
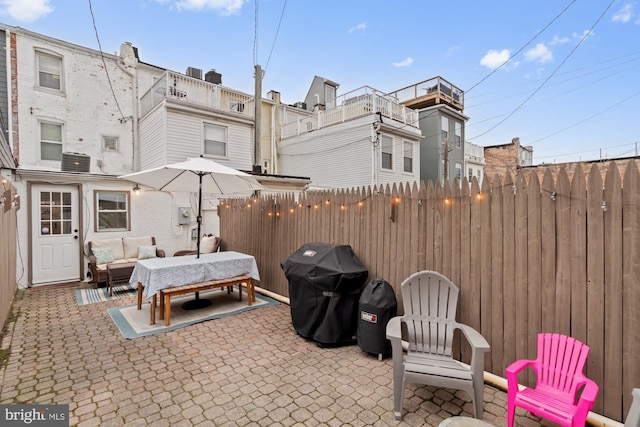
56 243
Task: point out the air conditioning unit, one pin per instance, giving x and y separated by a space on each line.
75 162
196 73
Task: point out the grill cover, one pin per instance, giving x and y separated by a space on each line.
378 305
325 281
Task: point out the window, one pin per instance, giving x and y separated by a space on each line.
235 105
387 152
49 71
457 139
109 143
459 171
408 157
215 140
470 174
55 213
112 210
479 175
445 128
329 96
50 141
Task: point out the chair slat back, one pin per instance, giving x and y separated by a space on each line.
430 302
560 363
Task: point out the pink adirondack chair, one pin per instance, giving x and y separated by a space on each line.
559 371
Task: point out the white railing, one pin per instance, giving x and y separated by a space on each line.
350 106
180 88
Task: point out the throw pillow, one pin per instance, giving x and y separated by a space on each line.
103 255
208 244
145 252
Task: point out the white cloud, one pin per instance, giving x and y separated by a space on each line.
404 63
493 59
452 50
559 40
26 10
624 15
226 7
585 34
359 27
540 53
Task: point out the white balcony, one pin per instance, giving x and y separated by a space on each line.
352 105
194 92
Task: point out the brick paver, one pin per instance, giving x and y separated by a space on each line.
250 369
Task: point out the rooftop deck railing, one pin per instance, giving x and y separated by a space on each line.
191 91
430 92
350 106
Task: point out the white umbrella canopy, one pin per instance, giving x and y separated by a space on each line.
197 174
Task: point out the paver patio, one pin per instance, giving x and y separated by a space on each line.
250 369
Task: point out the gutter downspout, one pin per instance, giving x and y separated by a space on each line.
135 158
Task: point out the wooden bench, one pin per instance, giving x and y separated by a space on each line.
166 294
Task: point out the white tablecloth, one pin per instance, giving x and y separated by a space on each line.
161 273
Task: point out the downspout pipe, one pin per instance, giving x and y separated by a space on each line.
135 158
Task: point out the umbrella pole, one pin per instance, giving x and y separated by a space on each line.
198 303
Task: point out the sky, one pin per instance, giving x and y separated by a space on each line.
561 75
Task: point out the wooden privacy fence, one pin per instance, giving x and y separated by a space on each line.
561 255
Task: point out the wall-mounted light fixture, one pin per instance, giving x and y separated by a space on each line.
136 189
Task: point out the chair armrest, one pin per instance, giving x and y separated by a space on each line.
93 261
589 394
160 253
479 346
394 329
514 369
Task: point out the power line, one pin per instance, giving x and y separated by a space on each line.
95 28
586 34
276 36
523 47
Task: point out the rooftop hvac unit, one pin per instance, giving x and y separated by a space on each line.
302 105
75 162
213 77
196 73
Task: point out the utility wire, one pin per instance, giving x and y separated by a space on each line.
255 35
584 37
276 37
95 28
523 47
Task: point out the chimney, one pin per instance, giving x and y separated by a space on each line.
213 77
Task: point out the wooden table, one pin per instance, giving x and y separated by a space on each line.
155 274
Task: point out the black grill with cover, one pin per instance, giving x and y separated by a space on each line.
325 281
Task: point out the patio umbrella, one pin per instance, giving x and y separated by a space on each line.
204 174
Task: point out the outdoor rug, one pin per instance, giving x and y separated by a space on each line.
134 323
90 296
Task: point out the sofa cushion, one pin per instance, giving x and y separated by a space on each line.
208 244
131 245
114 244
146 252
103 255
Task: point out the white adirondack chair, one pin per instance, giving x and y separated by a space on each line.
633 417
430 301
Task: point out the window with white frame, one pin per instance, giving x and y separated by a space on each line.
470 174
50 141
49 70
408 157
215 140
112 210
457 138
459 171
109 143
387 152
444 128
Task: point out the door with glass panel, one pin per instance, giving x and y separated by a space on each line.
56 243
